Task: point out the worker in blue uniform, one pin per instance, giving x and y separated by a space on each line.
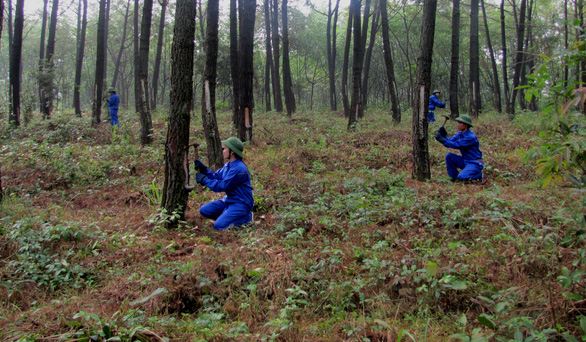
434 102
233 178
470 162
113 103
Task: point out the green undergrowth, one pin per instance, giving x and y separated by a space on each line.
345 245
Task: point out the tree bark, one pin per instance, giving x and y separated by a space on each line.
10 29
41 53
208 101
79 58
157 67
276 59
49 64
15 64
518 53
1 24
508 105
174 194
122 48
99 77
474 81
358 53
368 57
234 62
287 81
269 56
136 46
345 64
331 52
421 167
566 34
246 48
455 61
144 111
390 68
495 74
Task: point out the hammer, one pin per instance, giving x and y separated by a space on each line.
446 119
185 163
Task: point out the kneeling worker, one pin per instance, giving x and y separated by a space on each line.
470 162
233 178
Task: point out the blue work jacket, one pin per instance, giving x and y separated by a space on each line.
113 102
467 143
434 102
233 179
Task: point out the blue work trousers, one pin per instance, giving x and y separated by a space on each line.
114 117
235 214
471 169
431 117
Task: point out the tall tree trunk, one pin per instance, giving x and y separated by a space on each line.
10 30
368 57
174 195
358 53
276 59
391 83
246 48
122 47
15 61
287 81
495 74
474 85
208 101
518 53
106 35
528 61
144 111
234 62
345 64
331 52
455 60
421 168
508 105
99 80
566 70
136 52
49 75
155 87
41 54
1 24
79 57
269 56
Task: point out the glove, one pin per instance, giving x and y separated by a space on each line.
200 178
439 137
199 166
442 131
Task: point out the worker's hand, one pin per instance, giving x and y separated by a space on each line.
439 137
199 166
442 131
200 178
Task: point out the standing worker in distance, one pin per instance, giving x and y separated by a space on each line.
434 102
113 104
470 162
233 178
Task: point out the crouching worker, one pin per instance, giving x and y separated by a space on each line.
470 162
233 178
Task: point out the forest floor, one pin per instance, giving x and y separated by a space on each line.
345 245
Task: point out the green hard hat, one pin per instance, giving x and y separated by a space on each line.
465 119
436 91
111 90
235 145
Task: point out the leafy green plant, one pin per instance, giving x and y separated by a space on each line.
37 259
